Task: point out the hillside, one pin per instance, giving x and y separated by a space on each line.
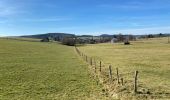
43 71
52 35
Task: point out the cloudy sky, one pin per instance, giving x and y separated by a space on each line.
22 17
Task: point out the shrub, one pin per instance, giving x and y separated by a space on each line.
126 43
68 41
45 40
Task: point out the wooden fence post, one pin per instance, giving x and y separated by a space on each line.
110 73
86 58
95 65
100 66
135 82
117 72
91 62
121 81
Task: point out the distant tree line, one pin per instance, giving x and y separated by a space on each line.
87 39
155 35
71 39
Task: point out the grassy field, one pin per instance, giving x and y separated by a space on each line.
43 71
150 57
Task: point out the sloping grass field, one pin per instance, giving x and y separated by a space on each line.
43 71
150 57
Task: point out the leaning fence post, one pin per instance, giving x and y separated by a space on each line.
100 66
135 82
110 73
117 72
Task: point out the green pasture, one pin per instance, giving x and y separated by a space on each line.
44 71
151 57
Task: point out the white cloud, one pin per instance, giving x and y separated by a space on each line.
9 9
119 6
3 21
45 19
5 9
138 5
151 30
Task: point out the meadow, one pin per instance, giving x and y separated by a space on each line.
151 57
44 71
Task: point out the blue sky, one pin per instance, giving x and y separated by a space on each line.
23 17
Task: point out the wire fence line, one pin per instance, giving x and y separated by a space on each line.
118 82
113 80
